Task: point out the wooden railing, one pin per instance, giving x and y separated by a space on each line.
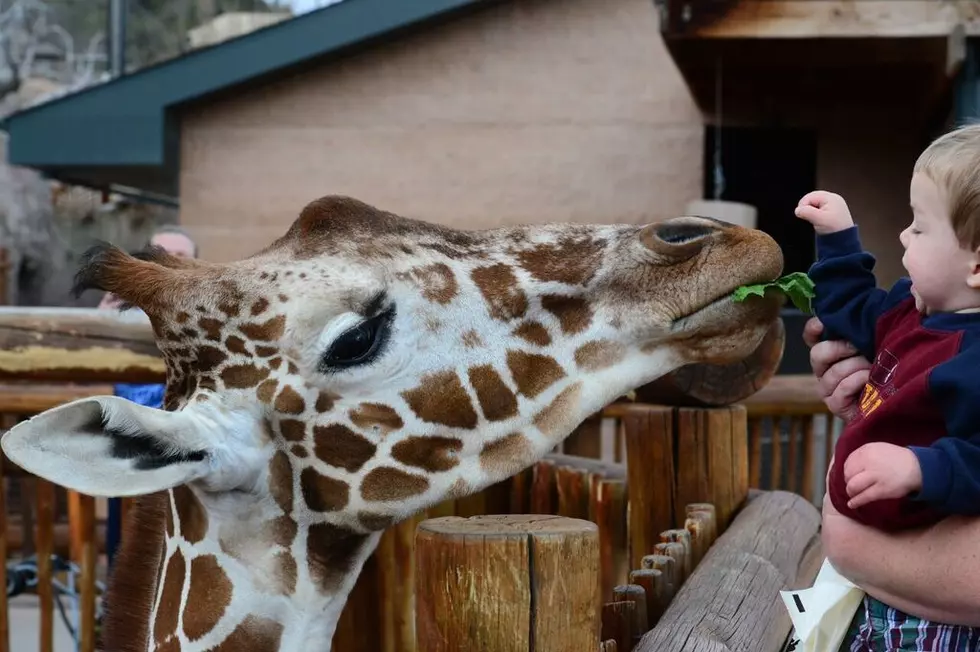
585 478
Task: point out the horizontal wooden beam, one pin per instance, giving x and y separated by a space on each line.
810 19
79 345
730 601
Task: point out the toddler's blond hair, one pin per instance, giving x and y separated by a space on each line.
952 162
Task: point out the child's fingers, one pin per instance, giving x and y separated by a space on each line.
808 213
859 483
875 492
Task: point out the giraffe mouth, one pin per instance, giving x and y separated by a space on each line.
721 301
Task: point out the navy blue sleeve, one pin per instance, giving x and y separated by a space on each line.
847 298
951 465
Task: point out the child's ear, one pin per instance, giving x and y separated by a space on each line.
108 446
973 279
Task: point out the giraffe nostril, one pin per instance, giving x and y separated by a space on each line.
673 233
678 238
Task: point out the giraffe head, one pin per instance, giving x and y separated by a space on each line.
365 366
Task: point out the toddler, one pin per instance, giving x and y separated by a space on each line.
911 456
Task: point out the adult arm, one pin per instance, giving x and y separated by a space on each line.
932 573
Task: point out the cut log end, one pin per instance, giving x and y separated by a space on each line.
708 385
507 525
487 582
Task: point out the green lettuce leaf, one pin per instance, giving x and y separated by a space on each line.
797 286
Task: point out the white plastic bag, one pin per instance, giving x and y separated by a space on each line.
822 613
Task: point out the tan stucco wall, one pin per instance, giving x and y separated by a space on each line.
552 110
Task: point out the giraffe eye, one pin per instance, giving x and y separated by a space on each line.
360 344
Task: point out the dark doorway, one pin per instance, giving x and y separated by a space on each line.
771 169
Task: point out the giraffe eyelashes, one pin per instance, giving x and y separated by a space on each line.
360 344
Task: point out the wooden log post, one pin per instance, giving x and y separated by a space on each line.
731 600
710 446
507 583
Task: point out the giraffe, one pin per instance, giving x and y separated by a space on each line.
360 368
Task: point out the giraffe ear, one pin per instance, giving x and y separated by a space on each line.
109 446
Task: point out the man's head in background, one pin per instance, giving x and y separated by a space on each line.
174 240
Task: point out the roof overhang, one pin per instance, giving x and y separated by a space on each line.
819 54
126 132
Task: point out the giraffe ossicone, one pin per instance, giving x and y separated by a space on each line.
361 368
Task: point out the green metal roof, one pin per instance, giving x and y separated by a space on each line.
125 132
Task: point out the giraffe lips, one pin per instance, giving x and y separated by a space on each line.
722 301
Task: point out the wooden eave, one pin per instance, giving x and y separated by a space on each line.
819 51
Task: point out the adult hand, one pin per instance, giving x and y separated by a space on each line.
841 372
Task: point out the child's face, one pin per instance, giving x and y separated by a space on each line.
944 274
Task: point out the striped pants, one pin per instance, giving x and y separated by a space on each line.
876 627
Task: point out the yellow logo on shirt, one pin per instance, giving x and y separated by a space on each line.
870 399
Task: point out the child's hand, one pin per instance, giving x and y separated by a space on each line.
877 471
826 211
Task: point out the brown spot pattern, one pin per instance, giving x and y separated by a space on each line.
267 331
236 344
440 398
437 282
472 339
292 429
191 514
169 608
281 481
267 390
572 260
286 572
281 530
330 552
323 494
500 289
573 313
599 354
208 358
533 332
243 376
432 453
533 373
255 634
553 420
375 522
325 401
211 327
299 450
496 399
387 483
506 455
208 597
369 415
289 401
266 351
339 446
259 306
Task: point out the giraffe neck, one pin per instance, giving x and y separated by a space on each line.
186 581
